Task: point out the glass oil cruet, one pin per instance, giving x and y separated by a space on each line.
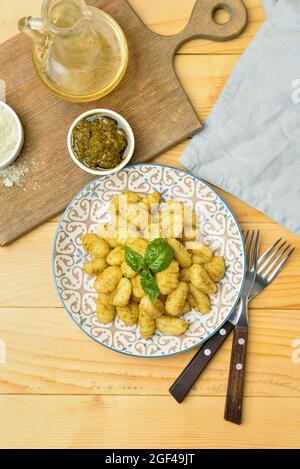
79 52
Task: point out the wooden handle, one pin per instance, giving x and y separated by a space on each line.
235 389
188 377
202 23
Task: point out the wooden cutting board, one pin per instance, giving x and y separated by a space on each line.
150 97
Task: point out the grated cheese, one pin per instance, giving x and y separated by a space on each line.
8 134
13 175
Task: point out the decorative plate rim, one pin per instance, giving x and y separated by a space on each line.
59 227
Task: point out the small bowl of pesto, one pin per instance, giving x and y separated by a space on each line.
101 142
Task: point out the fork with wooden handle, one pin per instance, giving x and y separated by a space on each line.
269 265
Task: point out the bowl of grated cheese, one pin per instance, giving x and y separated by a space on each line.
11 135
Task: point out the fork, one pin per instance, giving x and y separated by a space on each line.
269 265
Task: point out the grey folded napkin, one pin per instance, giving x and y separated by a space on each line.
250 145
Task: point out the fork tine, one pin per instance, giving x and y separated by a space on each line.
246 238
250 250
275 262
267 262
268 251
255 252
280 266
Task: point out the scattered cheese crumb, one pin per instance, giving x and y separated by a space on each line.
12 175
15 174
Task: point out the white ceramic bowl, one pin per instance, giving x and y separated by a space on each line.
16 151
123 124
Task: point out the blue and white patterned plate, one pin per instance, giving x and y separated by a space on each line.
88 209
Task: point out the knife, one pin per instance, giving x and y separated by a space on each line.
198 363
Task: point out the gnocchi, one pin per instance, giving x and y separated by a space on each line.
171 325
182 255
215 268
137 289
185 274
127 271
129 197
139 245
201 280
198 300
108 280
106 312
122 294
116 256
129 314
168 279
95 267
147 325
177 299
153 310
201 255
151 200
95 246
190 273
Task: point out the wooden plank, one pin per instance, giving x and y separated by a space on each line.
171 16
203 78
46 353
244 212
167 17
174 120
13 11
144 422
26 270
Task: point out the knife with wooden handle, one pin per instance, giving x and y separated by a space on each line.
192 371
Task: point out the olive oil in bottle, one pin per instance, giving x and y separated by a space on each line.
80 52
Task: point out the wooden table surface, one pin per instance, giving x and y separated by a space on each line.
58 388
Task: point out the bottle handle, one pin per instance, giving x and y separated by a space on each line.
33 27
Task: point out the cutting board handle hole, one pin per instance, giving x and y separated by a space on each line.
221 14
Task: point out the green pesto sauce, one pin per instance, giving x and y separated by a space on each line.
99 143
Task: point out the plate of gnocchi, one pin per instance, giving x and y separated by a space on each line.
149 261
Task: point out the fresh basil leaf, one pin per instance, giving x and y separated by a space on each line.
149 285
134 259
159 255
